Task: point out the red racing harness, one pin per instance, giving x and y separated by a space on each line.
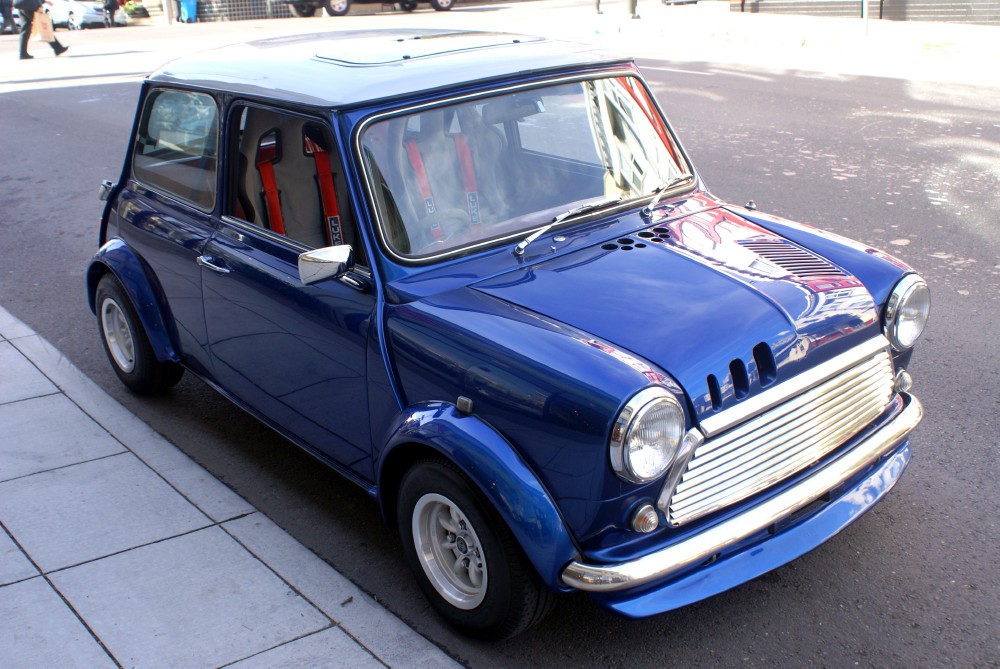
269 153
324 175
468 180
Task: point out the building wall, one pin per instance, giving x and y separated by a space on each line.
955 11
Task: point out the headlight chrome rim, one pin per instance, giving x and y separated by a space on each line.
910 287
631 415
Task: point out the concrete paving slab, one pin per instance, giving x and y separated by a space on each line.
39 630
199 600
11 328
20 379
14 566
87 511
48 432
388 638
201 488
329 649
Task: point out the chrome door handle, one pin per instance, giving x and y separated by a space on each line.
205 261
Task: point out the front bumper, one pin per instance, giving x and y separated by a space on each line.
619 585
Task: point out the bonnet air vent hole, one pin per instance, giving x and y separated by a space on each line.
640 246
626 241
657 240
741 382
662 232
714 391
766 368
646 234
610 247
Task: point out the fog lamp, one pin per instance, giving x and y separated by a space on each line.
645 519
903 381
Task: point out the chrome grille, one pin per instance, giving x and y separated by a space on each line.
783 440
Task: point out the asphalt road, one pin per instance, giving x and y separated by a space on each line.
912 168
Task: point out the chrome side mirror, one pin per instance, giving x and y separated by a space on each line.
105 191
330 262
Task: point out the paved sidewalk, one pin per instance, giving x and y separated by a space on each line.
117 550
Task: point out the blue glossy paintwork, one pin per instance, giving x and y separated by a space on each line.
168 236
501 474
294 353
549 388
116 256
876 269
760 555
675 300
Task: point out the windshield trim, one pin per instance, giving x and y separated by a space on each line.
427 259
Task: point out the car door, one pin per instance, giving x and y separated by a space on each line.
292 353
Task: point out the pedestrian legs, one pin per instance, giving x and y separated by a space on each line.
26 18
57 48
6 10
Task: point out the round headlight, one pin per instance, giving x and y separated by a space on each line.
906 312
646 435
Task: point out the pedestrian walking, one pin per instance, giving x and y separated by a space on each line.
29 14
7 12
110 7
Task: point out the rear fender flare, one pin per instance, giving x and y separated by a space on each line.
492 464
119 259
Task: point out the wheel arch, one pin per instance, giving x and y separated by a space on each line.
118 259
493 466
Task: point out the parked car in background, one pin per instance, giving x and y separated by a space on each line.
478 275
78 14
305 8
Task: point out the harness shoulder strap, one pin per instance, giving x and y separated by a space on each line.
268 153
468 177
327 192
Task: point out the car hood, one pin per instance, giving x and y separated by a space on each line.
710 298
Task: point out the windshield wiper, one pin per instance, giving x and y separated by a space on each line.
662 189
575 211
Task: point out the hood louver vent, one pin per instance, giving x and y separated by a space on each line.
793 259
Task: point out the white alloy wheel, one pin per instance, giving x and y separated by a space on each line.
449 551
118 335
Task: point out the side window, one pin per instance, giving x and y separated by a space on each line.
288 178
176 149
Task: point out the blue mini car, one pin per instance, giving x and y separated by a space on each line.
478 275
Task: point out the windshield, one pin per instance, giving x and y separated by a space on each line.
463 175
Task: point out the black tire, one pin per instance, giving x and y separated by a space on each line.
510 597
408 5
336 7
442 5
126 344
302 10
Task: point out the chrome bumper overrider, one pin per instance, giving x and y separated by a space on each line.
669 560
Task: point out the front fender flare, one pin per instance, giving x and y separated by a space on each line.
121 260
495 467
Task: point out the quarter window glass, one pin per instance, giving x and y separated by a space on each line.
176 150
